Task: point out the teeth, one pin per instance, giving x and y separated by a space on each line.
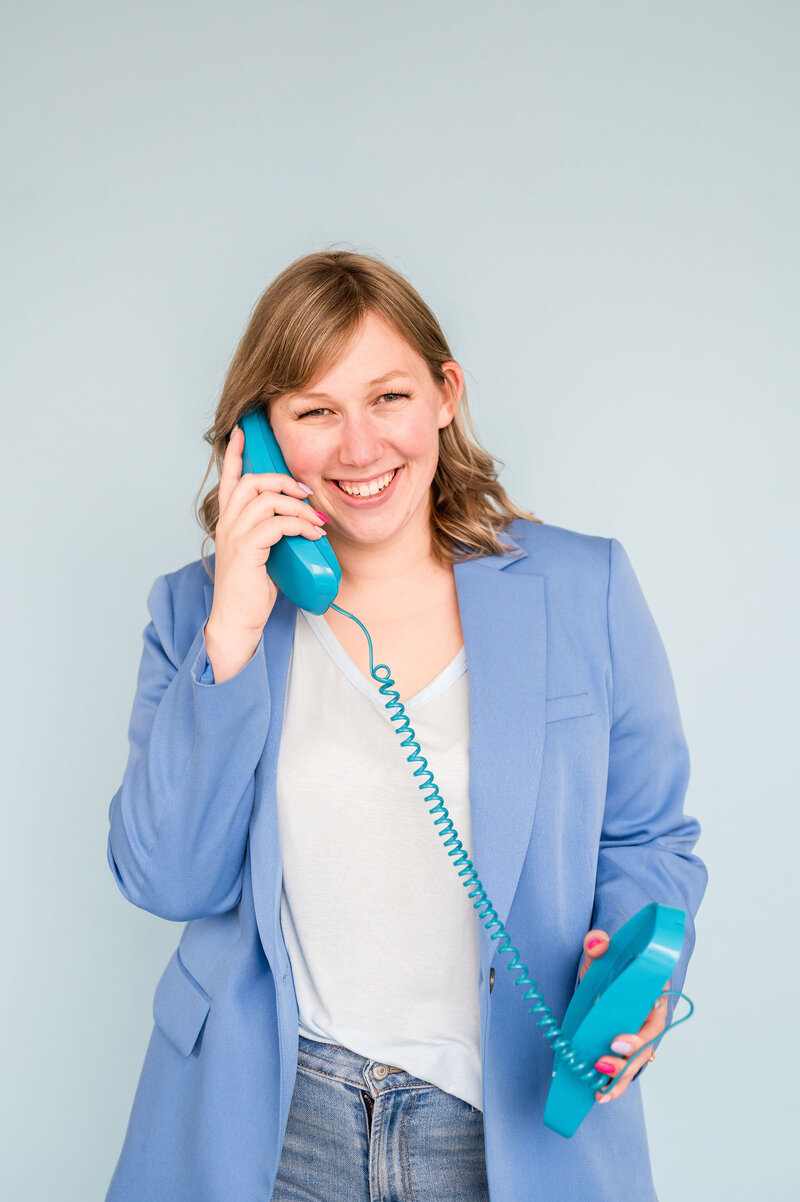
368 490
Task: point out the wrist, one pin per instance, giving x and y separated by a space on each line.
228 649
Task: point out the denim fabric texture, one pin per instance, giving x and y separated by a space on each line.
359 1130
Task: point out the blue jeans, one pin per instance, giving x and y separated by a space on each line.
360 1131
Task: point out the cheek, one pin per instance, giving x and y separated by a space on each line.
421 441
303 459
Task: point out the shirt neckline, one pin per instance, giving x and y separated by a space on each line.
370 687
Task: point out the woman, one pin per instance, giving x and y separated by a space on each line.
329 1026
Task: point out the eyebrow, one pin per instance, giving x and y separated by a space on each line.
370 384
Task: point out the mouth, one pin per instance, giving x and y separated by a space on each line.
370 492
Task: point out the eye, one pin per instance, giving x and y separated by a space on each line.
309 412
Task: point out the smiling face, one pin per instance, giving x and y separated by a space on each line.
373 420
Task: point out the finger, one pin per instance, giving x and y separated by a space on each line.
231 468
614 1066
627 1066
294 517
651 1028
267 533
232 499
625 1070
595 944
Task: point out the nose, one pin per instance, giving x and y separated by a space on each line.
360 444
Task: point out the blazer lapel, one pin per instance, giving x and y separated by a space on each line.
503 621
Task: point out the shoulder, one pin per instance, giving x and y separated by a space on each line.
178 603
580 571
557 550
575 571
191 580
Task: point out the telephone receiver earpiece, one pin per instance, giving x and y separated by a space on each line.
619 989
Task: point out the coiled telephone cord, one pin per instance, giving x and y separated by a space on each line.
561 1046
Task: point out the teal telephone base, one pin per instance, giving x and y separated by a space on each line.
620 988
615 995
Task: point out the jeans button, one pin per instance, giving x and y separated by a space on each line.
380 1071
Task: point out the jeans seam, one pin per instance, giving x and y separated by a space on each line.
406 1157
380 1143
321 1072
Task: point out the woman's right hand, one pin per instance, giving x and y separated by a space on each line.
255 511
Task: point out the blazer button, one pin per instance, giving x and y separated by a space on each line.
491 979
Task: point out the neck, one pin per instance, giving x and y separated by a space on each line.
383 575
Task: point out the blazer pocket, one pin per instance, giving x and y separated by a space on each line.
180 1005
574 706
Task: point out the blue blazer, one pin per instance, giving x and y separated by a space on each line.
578 771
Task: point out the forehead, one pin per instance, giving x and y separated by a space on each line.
374 349
376 354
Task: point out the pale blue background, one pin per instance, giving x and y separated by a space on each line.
599 201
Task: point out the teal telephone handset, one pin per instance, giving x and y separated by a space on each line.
619 989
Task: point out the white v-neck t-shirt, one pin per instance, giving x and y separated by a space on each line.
380 930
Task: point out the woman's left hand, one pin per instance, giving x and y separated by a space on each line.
627 1064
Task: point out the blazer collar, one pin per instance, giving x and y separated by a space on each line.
503 621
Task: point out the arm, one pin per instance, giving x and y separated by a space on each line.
180 819
646 842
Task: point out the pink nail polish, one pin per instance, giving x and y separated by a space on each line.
321 515
592 942
603 1066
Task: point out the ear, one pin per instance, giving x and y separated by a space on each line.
451 391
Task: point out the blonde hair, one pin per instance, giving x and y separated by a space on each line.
299 328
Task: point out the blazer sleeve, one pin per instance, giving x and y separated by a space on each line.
645 851
180 819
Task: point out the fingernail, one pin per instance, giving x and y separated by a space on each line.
605 1098
305 487
592 942
603 1066
621 1045
321 515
